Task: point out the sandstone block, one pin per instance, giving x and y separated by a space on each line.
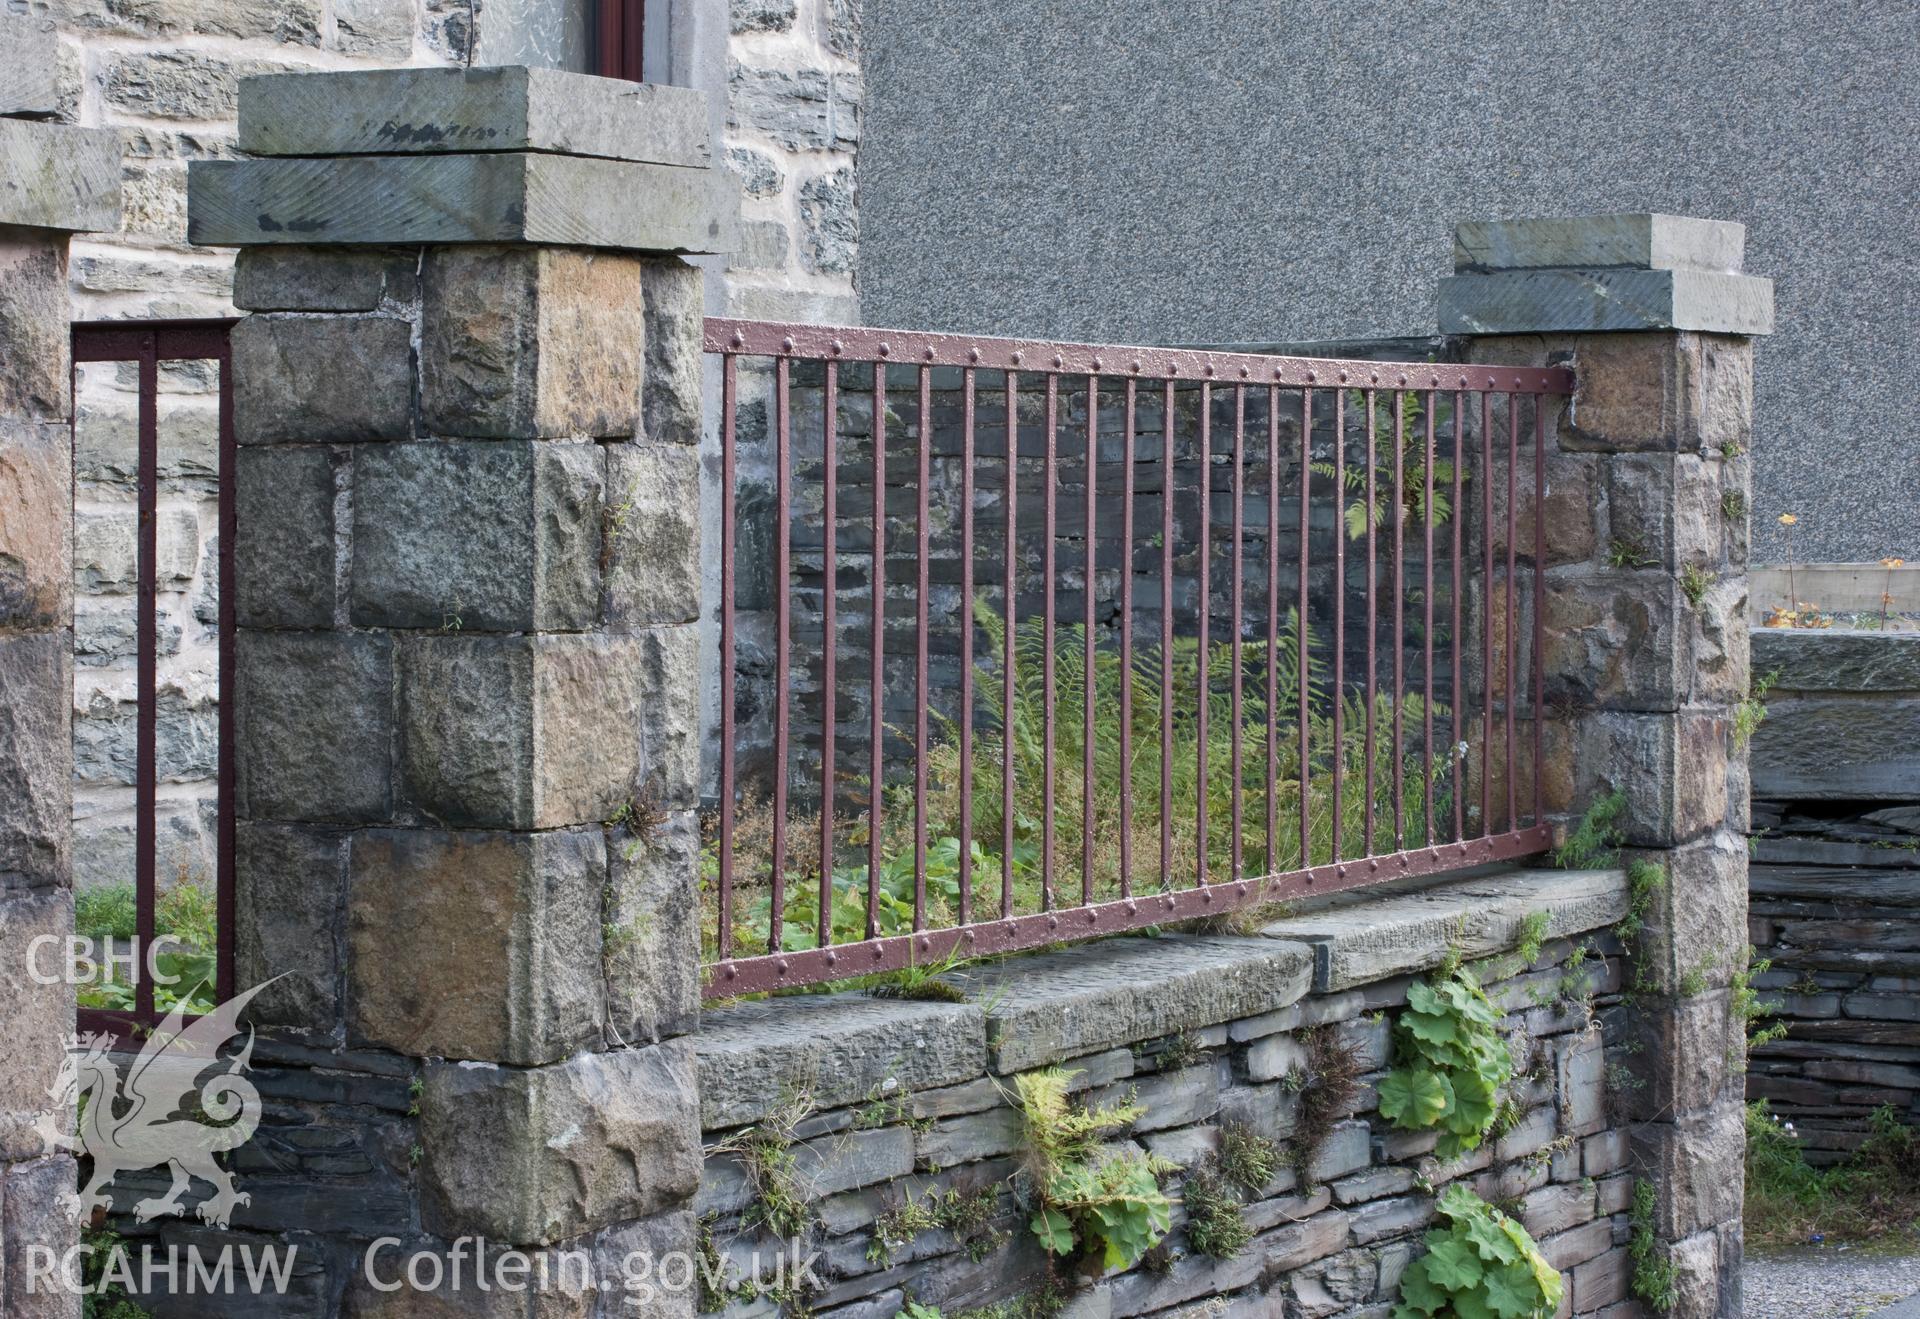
36 760
1637 393
527 343
35 349
653 529
526 732
1690 1056
31 1218
1079 1000
314 725
1698 923
289 899
1696 1165
670 401
1672 768
477 536
36 486
322 279
1616 640
332 379
60 177
652 936
34 1018
538 1154
425 907
284 543
29 85
838 1048
514 108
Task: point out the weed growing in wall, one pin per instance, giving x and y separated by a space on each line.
1248 1158
1653 1274
1481 1263
1102 1207
1327 1081
1449 1063
1747 1008
765 1152
1595 841
1751 712
1214 1224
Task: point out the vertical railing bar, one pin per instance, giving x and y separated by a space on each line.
1273 629
729 392
1512 629
1373 617
1166 638
1456 750
1088 684
782 575
829 628
1426 667
1305 657
1238 621
1126 645
923 620
1399 514
966 647
229 586
1205 630
1539 601
1339 618
876 688
1050 476
1007 672
1486 613
147 661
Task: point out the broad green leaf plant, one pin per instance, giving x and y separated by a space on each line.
1449 1063
1480 1265
1088 1200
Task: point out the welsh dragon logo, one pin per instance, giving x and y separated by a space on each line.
152 1117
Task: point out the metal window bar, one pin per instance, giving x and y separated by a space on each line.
1216 671
147 344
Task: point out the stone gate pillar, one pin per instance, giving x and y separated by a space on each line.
55 181
467 402
1645 646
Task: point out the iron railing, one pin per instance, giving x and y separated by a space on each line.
927 630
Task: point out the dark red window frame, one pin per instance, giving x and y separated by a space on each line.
618 26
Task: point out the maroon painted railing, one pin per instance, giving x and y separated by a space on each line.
145 345
955 440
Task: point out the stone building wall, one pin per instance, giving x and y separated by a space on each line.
891 1101
1834 887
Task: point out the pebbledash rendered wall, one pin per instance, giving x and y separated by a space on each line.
1834 887
1210 173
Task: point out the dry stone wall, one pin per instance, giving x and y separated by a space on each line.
899 1101
1834 886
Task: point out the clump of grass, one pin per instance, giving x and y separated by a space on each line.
1751 712
1733 505
967 1215
1329 1081
924 984
1181 1051
1595 840
1533 935
1248 1158
1629 552
1214 1224
1695 582
765 1151
1874 1196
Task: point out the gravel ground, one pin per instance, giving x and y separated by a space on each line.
1827 1284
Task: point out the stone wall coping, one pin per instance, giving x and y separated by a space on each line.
1629 240
1820 660
57 176
1605 300
499 197
1362 941
437 111
1031 1011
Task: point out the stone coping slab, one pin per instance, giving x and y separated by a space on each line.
838 1048
1637 241
434 111
1602 301
1032 1011
1093 996
57 176
1823 661
502 197
1365 940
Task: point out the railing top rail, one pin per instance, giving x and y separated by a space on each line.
919 348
